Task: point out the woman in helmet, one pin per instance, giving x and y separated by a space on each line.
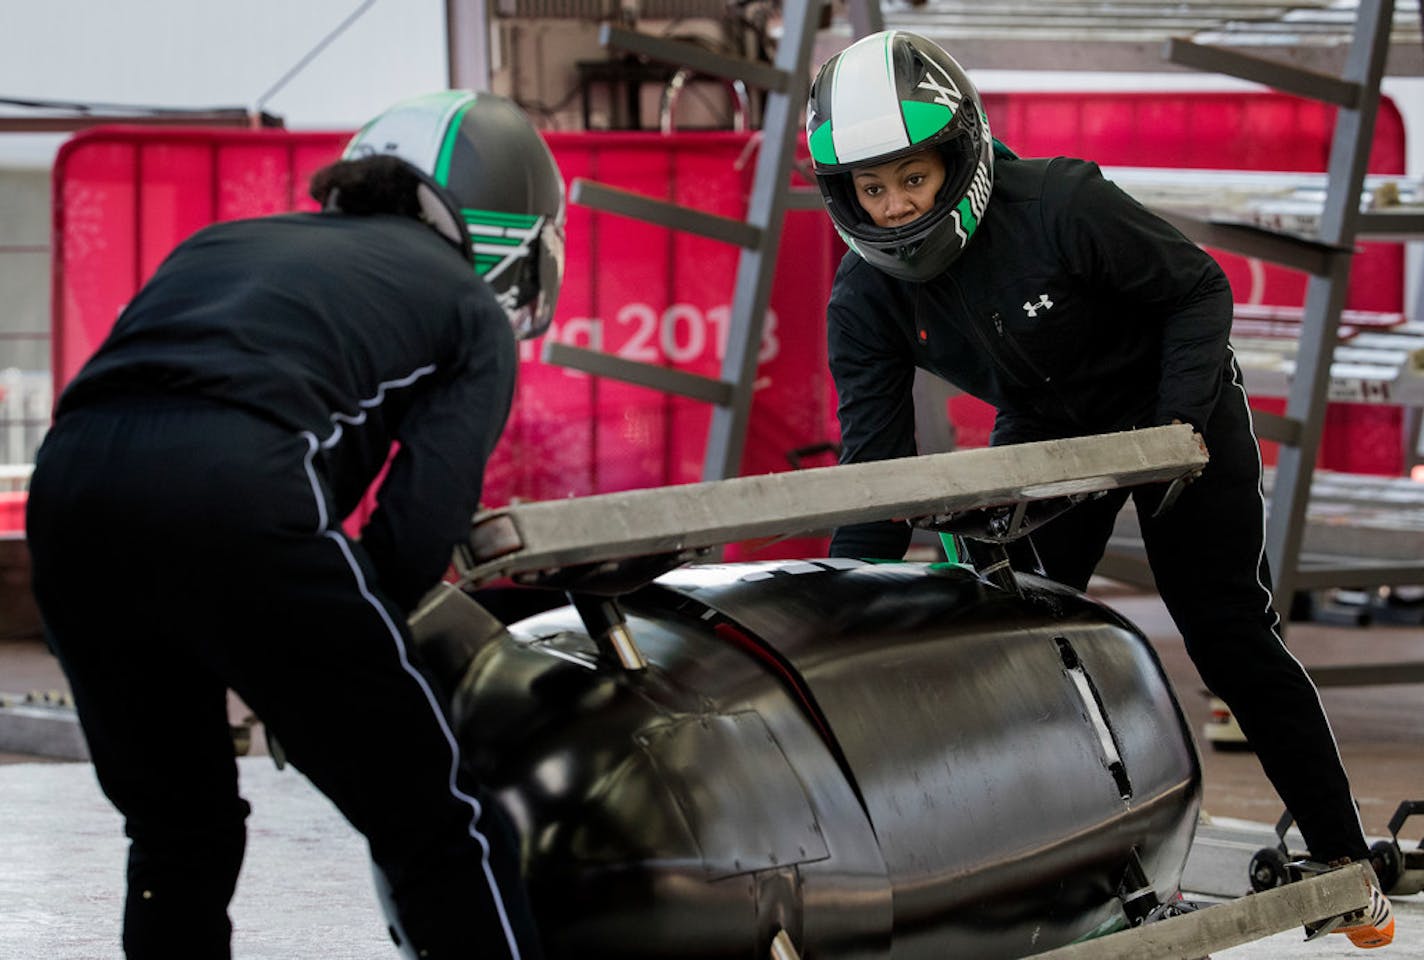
185 509
1041 288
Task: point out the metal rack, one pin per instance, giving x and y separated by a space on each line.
1309 224
1326 258
1378 357
1128 35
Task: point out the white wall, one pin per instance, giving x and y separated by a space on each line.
173 53
206 53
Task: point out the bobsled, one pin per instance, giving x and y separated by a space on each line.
879 760
822 758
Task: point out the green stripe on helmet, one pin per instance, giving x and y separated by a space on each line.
823 147
499 218
924 120
447 146
967 220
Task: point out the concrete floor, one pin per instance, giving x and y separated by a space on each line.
306 888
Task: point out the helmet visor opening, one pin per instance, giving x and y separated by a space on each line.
961 161
532 288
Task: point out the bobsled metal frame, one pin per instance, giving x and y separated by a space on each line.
675 522
679 521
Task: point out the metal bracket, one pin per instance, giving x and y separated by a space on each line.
1311 84
606 624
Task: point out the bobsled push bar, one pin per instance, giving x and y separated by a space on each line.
678 521
1338 893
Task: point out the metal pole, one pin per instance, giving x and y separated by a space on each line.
756 267
467 44
1325 296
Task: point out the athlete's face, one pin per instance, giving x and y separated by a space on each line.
902 190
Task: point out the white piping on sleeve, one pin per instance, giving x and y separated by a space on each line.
335 536
370 403
322 520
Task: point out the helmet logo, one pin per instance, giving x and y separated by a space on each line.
947 95
1043 304
923 120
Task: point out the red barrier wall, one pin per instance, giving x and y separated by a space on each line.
124 197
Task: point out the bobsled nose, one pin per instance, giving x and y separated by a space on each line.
448 630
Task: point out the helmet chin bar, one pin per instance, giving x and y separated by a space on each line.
529 318
921 249
542 271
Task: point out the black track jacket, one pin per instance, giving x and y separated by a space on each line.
1073 310
352 331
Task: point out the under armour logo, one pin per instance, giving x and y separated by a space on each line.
1043 303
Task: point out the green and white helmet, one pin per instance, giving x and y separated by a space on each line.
886 96
493 189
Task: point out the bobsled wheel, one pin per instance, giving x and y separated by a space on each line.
1268 869
1388 861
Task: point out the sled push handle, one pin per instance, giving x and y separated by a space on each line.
612 543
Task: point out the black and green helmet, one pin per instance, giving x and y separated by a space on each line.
886 96
497 192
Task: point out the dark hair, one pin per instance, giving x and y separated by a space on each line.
382 183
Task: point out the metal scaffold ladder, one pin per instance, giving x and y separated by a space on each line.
758 236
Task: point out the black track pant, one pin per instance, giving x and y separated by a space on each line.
1207 554
180 549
